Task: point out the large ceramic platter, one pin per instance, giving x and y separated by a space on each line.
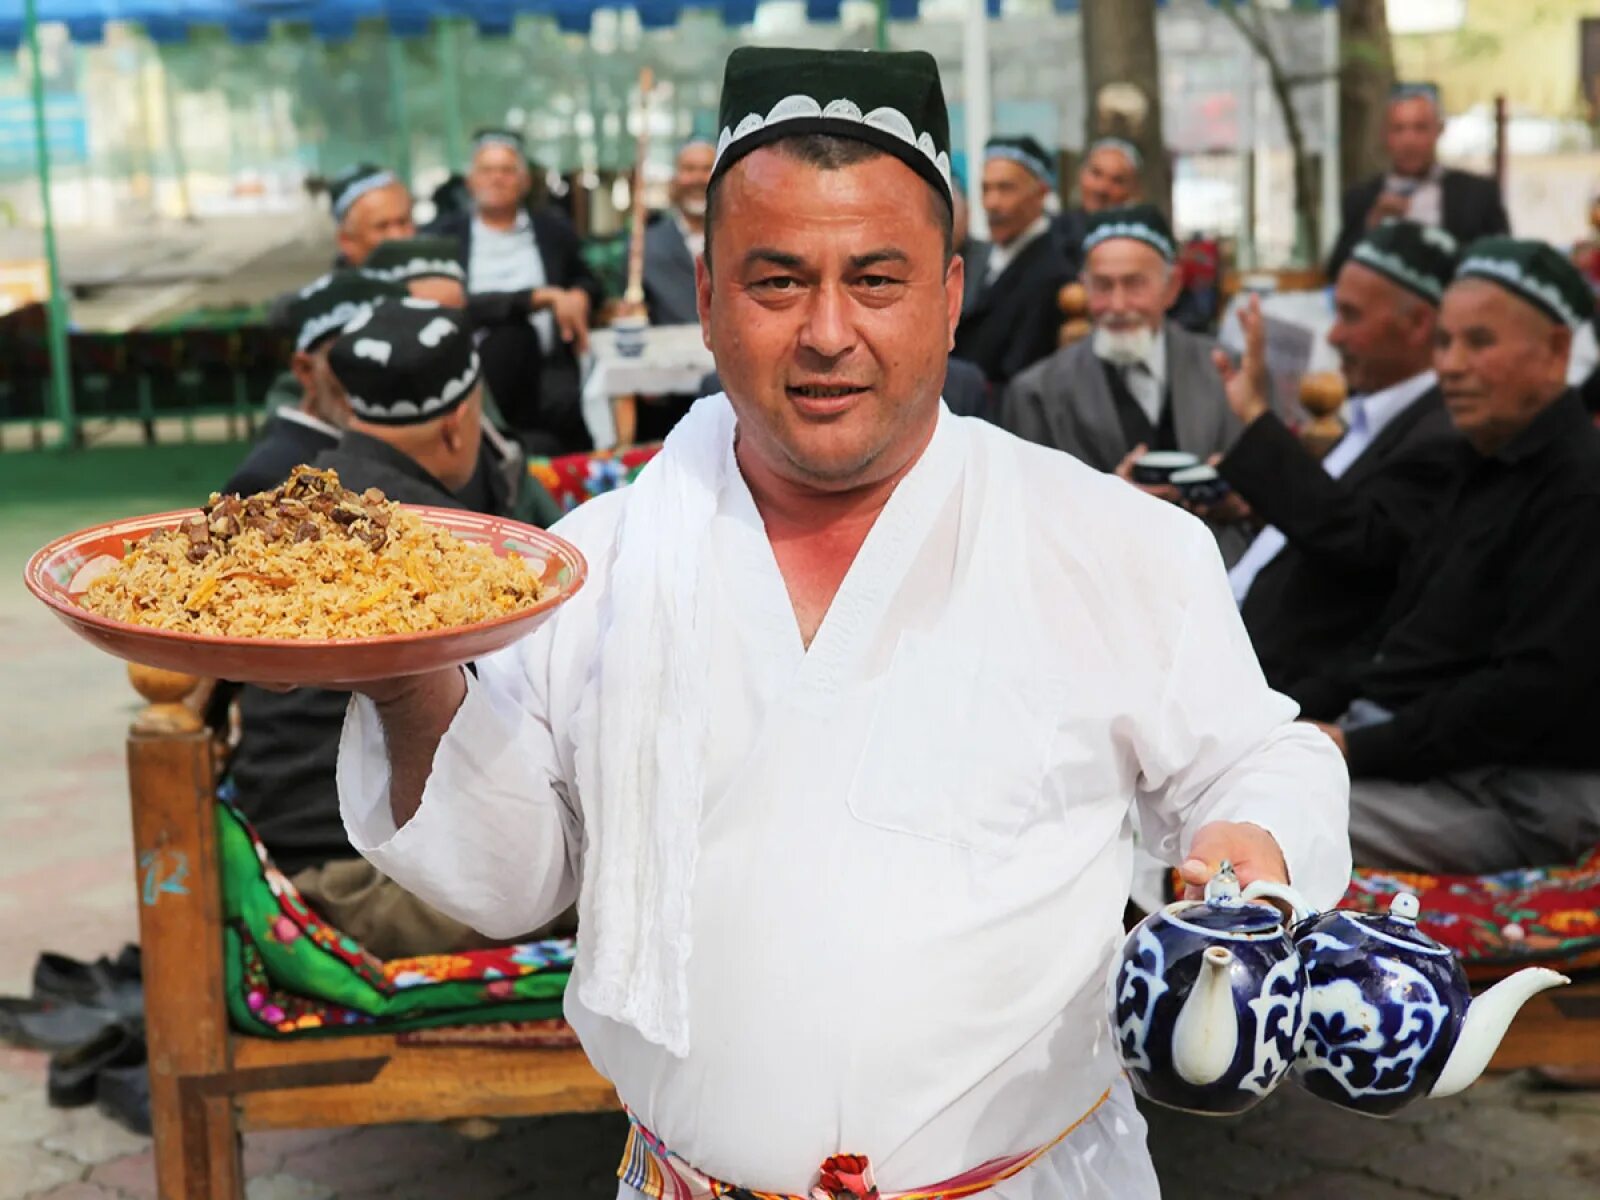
61 572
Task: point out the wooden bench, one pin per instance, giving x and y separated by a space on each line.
207 1083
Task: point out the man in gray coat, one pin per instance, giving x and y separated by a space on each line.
1140 382
675 238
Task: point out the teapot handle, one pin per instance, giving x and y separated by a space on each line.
1265 889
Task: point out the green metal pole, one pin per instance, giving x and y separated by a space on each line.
447 44
60 368
397 108
881 31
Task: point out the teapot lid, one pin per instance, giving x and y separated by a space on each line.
1225 913
1399 926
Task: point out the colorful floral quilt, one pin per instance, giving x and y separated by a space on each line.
290 973
573 478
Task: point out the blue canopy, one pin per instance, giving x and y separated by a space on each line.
335 20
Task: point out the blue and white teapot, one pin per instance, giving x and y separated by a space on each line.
1208 1000
1390 1015
1213 1002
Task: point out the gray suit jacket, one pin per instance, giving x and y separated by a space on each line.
1064 402
975 253
668 273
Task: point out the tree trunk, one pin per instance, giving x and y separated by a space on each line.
1367 61
1123 70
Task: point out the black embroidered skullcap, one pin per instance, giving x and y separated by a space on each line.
1024 151
1417 257
322 309
400 260
1122 146
496 136
1137 222
893 101
345 188
1533 271
407 362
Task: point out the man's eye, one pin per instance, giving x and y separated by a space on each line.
878 281
778 283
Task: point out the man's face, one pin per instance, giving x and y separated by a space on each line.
1500 361
382 215
323 396
831 313
1106 180
498 179
440 289
1410 135
1382 333
687 190
1129 285
1013 198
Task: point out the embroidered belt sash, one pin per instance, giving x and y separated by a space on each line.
657 1172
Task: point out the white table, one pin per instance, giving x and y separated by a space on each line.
674 362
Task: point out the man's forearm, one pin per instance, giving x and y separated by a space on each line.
415 719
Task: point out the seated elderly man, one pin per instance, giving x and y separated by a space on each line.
411 376
371 205
1012 321
296 432
1313 583
842 746
1470 730
1107 178
530 293
1140 382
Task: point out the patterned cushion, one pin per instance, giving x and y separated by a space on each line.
573 478
291 973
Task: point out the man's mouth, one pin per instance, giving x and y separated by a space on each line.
823 399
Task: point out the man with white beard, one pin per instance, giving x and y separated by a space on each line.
1141 383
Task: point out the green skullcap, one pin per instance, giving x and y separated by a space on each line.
1533 271
1419 258
1025 152
1137 222
892 101
400 260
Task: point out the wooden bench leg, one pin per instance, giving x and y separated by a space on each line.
170 776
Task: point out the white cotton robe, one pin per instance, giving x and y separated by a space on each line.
916 838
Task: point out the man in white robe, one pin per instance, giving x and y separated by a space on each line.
843 745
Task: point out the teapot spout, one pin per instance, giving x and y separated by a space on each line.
1488 1018
1205 1036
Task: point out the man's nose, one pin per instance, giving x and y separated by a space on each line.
828 330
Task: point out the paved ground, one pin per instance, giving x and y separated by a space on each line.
66 884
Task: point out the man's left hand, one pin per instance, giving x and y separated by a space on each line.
1253 852
1248 384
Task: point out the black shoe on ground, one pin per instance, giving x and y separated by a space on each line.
50 1024
73 1075
115 984
123 1094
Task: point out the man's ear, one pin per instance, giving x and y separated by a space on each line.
955 286
702 297
304 371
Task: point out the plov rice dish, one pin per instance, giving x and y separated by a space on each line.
310 559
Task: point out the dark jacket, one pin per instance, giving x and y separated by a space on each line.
537 393
1469 208
1490 654
282 772
669 288
1014 321
1321 596
285 443
1067 403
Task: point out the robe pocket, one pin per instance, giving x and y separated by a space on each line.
958 748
